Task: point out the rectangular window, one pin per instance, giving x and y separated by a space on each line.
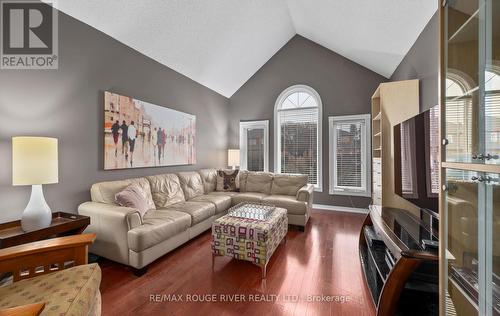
254 145
349 158
299 143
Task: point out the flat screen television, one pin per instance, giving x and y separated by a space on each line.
416 160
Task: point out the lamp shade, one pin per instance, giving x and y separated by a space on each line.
34 160
233 157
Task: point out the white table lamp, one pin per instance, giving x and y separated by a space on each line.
34 162
233 158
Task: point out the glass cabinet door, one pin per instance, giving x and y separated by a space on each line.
462 80
461 200
472 83
492 83
472 201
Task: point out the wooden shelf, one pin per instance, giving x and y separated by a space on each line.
392 103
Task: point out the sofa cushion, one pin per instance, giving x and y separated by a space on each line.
248 197
72 291
288 184
221 202
135 196
166 189
104 192
191 184
209 178
243 180
222 193
259 182
158 225
287 202
199 211
228 180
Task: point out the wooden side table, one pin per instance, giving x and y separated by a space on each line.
63 224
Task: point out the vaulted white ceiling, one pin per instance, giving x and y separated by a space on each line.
222 43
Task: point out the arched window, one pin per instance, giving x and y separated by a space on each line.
297 133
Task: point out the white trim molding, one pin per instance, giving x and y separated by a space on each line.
365 189
318 187
244 125
346 209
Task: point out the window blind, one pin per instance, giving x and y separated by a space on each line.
349 154
299 142
492 123
458 128
458 131
255 149
434 150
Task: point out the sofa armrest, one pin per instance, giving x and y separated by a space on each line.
113 214
305 193
111 223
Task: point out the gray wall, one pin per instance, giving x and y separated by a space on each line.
344 86
68 104
422 62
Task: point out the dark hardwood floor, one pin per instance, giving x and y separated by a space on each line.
322 262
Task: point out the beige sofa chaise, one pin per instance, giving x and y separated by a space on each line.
186 205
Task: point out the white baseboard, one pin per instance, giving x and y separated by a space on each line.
340 208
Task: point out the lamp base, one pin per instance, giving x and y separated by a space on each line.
37 213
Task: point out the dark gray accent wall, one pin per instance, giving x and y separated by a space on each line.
344 86
68 104
422 62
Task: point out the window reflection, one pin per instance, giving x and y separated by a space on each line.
492 114
459 119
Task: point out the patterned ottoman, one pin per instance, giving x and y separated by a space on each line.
249 239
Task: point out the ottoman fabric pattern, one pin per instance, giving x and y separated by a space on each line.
248 239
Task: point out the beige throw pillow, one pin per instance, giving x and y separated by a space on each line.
135 197
228 180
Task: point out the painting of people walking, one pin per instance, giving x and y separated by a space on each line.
139 134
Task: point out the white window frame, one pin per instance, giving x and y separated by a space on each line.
244 126
277 131
366 149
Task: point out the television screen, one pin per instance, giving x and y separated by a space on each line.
416 159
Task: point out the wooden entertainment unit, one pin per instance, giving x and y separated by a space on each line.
401 275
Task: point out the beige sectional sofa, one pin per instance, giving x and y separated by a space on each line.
186 205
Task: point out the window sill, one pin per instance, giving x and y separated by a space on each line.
351 193
318 189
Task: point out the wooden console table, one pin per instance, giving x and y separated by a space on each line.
399 273
63 224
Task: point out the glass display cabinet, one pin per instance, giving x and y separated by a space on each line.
470 157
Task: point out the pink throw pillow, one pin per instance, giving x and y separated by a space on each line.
135 197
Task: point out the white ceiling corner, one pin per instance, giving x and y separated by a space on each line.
222 43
